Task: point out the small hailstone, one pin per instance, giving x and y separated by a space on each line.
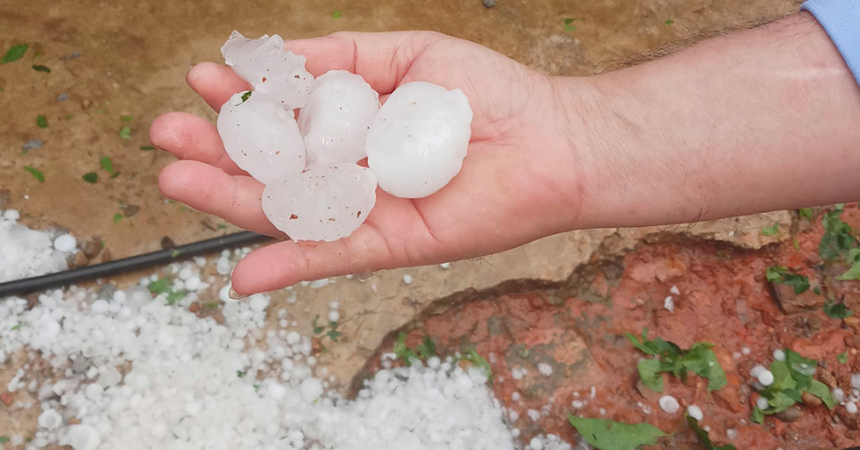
695 412
675 290
765 378
577 404
669 304
269 68
762 403
417 142
311 389
732 434
224 294
545 369
334 304
65 243
261 137
337 117
11 215
779 355
669 404
50 419
445 265
851 407
855 381
745 351
838 395
82 437
193 283
322 203
536 444
407 279
757 370
333 316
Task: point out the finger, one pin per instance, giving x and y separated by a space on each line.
187 136
382 59
210 190
215 83
286 263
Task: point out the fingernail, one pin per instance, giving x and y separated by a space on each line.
235 295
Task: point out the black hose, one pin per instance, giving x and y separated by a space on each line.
65 278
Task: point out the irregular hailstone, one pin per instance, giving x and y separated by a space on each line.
337 117
321 204
261 137
417 142
269 68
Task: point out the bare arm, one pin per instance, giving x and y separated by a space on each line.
755 121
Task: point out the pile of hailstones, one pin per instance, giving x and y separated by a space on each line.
414 144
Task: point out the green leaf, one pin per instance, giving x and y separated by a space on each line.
816 290
336 14
91 177
117 217
333 334
427 348
41 121
795 244
175 253
221 226
837 238
4 439
36 173
611 435
478 361
126 118
823 392
246 96
147 148
402 352
842 358
41 68
160 286
107 164
771 230
757 415
851 274
15 53
317 329
716 376
781 275
241 374
837 310
125 133
806 213
18 327
703 437
669 22
568 23
649 372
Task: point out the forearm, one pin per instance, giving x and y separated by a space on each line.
755 121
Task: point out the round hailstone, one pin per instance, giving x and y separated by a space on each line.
261 137
65 243
337 117
417 142
269 68
322 203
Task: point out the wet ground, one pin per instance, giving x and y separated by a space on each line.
121 64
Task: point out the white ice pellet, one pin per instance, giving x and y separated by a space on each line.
732 434
762 403
269 68
675 290
322 203
779 355
851 407
65 243
417 142
855 381
765 377
544 369
695 412
261 137
757 370
535 444
745 351
333 316
407 279
669 304
445 265
193 283
50 419
311 389
337 117
669 404
82 437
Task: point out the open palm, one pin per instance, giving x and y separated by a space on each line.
518 182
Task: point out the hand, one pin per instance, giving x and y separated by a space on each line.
518 183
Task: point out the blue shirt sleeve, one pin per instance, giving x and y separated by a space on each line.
841 20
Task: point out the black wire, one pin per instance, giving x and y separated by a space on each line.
65 278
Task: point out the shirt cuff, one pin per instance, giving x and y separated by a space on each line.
841 20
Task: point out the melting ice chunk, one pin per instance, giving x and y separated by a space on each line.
337 117
321 204
269 68
417 142
261 137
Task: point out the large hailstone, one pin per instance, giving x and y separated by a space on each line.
261 136
321 204
336 119
269 68
417 142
